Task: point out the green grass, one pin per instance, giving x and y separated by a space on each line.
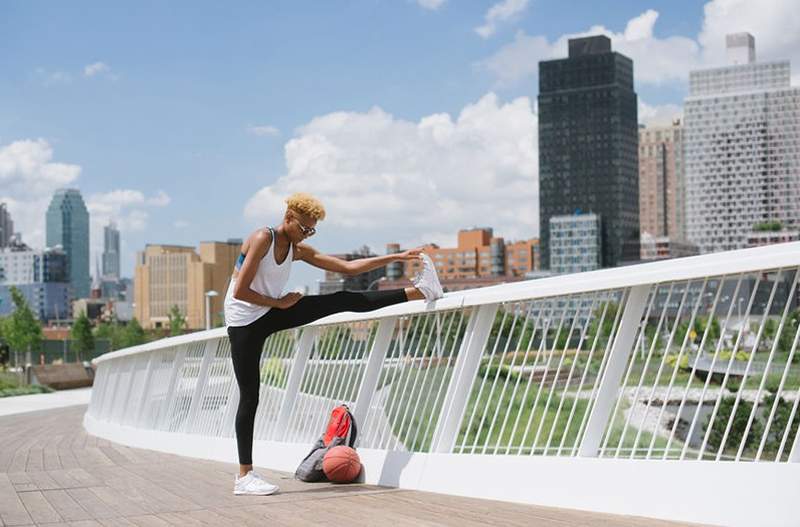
10 386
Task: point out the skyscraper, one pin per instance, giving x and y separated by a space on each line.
661 200
111 252
742 149
588 145
6 226
68 226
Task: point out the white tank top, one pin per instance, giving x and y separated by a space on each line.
270 279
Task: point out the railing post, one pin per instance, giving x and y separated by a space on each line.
619 354
177 366
299 362
209 350
794 454
372 373
466 367
145 389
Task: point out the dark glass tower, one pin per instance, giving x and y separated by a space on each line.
68 226
588 145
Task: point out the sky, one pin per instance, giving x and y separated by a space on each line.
410 119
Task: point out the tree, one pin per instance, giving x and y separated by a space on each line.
21 329
111 332
177 322
82 338
132 335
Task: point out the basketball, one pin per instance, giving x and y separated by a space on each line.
341 464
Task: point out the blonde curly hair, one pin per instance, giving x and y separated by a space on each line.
306 204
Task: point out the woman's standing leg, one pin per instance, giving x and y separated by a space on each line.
246 345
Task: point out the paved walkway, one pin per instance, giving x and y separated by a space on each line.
53 473
44 401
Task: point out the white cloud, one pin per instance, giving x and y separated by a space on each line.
658 115
263 131
433 5
655 60
53 77
27 169
28 178
90 70
386 179
127 207
500 12
180 224
161 199
774 23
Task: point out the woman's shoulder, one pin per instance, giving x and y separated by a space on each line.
260 240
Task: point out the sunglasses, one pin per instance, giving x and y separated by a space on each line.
307 231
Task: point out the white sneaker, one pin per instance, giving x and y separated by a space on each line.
254 485
427 281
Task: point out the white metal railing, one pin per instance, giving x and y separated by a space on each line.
651 362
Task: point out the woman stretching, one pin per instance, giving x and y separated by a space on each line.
255 307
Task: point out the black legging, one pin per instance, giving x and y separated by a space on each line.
247 342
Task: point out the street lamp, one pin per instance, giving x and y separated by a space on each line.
209 294
381 279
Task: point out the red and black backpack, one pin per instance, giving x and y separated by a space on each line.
341 430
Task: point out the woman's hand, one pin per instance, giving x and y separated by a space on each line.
288 300
410 254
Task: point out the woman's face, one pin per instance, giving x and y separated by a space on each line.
299 226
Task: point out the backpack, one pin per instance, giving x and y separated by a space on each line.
341 430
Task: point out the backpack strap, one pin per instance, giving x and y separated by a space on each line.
354 429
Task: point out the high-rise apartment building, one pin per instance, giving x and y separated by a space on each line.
576 243
41 277
111 259
661 200
173 275
68 227
6 226
588 145
742 149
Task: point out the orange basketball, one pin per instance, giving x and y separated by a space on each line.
341 464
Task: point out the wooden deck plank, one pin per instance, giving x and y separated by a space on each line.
65 505
12 511
38 507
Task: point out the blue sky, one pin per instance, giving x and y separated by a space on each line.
188 121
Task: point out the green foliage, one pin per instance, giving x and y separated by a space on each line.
786 338
738 426
273 373
740 355
699 328
82 338
768 226
24 390
132 335
780 420
111 332
177 322
604 332
21 329
672 358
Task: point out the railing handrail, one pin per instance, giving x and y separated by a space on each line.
707 265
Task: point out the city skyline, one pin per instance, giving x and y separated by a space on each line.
197 124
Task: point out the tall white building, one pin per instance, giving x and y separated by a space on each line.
741 149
